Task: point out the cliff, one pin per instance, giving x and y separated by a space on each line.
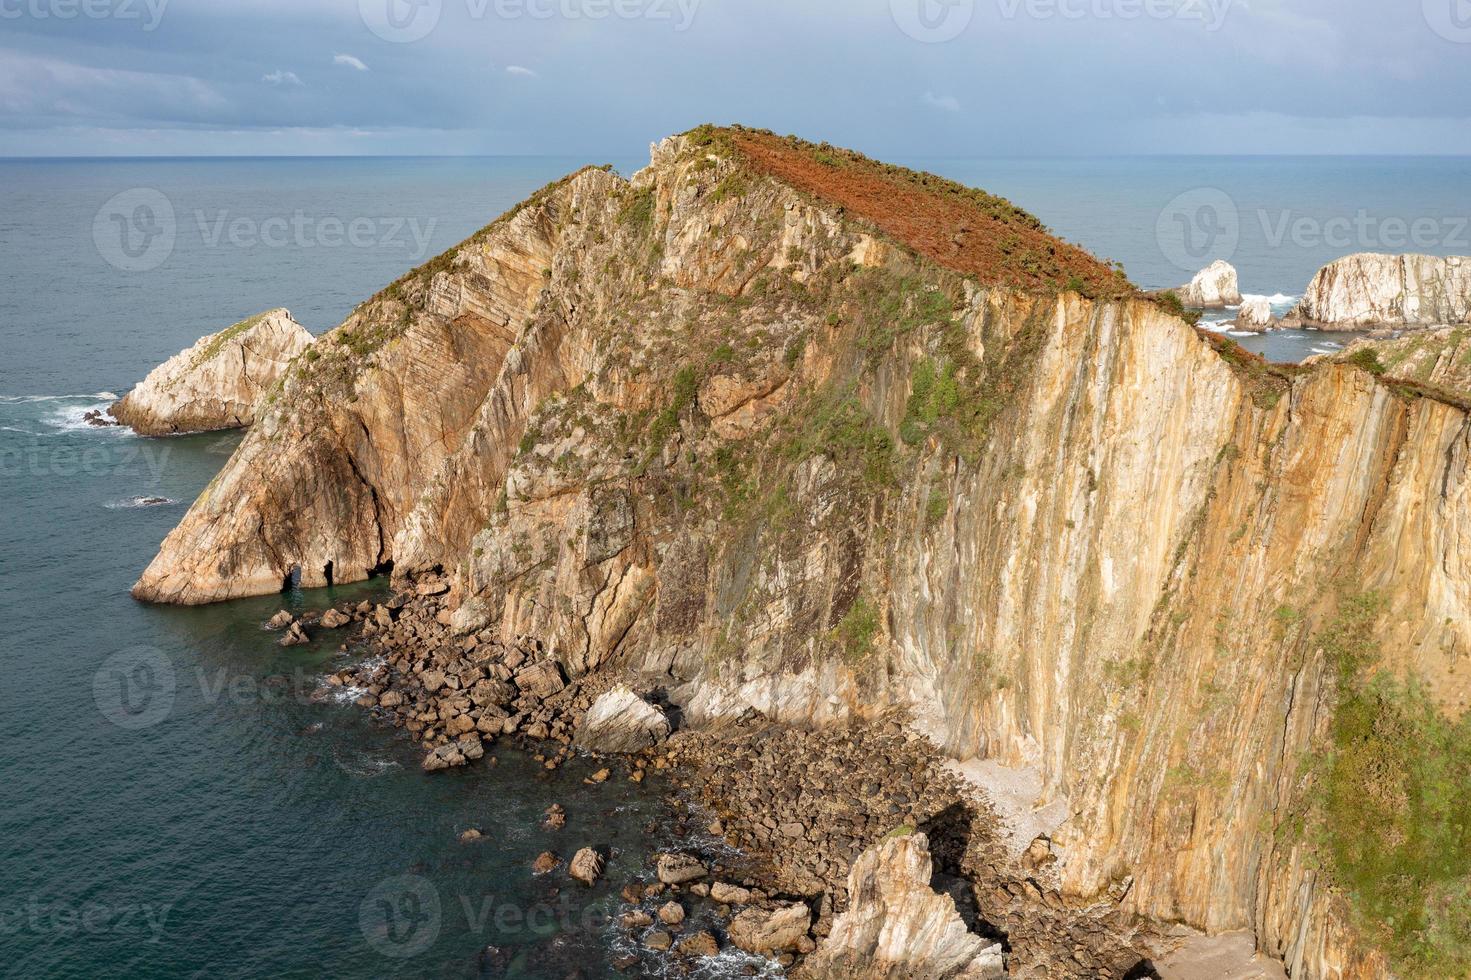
218 383
794 430
1371 290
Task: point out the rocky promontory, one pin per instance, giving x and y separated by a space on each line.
219 383
787 440
1372 290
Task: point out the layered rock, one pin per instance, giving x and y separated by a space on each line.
746 425
621 721
1374 290
897 926
1215 287
1255 314
219 383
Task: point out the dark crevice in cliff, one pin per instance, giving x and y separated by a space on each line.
292 580
327 573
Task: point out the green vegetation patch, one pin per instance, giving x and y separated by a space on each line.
217 344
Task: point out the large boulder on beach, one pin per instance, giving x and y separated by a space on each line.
1214 287
219 383
896 925
1374 290
621 721
768 932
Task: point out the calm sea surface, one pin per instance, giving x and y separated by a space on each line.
176 804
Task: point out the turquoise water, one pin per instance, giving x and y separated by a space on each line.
176 804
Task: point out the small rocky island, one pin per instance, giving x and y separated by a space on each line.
219 383
1010 624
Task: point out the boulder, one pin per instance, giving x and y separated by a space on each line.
279 621
334 619
897 926
767 933
545 862
541 679
586 866
295 635
1214 287
729 894
676 868
621 721
1373 290
1255 314
701 943
219 383
671 913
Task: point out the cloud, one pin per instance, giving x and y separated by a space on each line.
349 61
949 103
518 70
279 77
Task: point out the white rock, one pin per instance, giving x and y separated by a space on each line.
621 721
219 382
1255 314
896 925
1369 290
1213 287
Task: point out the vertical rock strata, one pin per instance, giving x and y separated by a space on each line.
723 428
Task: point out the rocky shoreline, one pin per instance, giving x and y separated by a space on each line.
804 808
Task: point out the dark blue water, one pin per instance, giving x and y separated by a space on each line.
175 803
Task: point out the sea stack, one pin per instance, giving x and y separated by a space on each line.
1255 315
1214 288
218 383
1370 290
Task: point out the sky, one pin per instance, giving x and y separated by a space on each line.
603 78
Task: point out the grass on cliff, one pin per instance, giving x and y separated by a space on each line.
1391 817
217 344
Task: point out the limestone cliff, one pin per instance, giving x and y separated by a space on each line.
796 431
218 383
1371 290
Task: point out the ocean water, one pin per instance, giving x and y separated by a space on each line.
178 801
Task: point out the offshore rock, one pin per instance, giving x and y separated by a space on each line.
219 383
1374 290
1214 287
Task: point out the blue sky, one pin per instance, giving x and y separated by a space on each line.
601 78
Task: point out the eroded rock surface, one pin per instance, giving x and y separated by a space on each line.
621 721
1374 290
219 383
1214 287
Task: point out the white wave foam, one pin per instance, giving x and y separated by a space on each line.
28 399
362 764
1322 350
11 428
129 503
1241 333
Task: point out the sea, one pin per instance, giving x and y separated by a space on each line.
184 798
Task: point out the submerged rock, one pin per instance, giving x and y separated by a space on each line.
897 926
621 721
219 383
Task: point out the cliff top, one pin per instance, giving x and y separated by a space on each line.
959 227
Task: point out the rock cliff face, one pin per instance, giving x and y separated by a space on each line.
1214 287
897 926
218 383
798 432
1370 290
